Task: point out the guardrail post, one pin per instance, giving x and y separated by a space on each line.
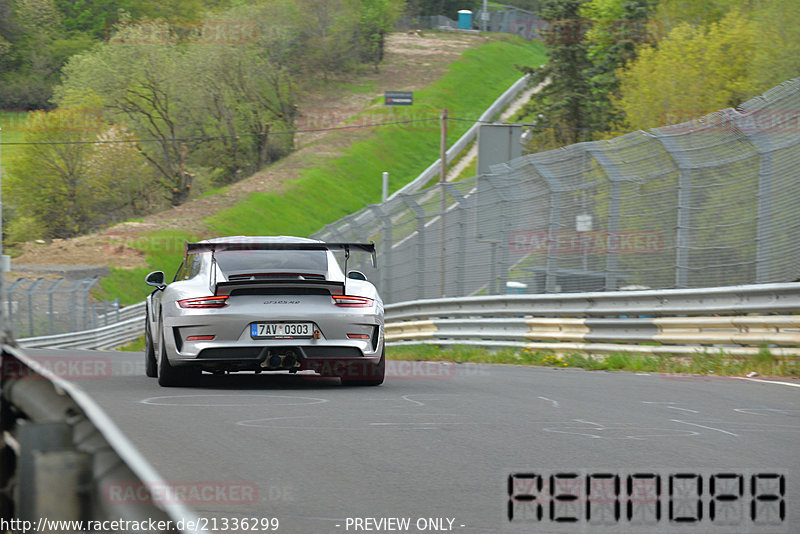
420 213
49 472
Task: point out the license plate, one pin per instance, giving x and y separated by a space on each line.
281 330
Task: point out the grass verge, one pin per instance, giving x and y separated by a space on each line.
701 363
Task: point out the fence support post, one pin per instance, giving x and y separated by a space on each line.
683 164
30 291
764 213
420 213
386 252
50 302
551 266
614 200
462 240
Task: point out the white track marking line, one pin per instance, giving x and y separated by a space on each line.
153 401
683 409
406 397
768 381
555 403
589 422
706 427
754 411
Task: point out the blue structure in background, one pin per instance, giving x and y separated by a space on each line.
465 19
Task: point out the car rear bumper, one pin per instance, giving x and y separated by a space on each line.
327 360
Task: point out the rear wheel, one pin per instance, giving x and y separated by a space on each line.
367 375
169 376
150 365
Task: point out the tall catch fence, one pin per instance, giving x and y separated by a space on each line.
709 202
526 24
42 306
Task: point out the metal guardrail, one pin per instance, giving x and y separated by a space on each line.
63 459
655 322
741 318
129 328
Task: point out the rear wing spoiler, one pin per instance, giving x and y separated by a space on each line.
195 248
369 248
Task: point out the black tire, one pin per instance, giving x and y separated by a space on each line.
169 376
150 364
371 375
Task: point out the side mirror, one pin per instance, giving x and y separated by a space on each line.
156 279
356 275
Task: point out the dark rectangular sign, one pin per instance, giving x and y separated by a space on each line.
399 98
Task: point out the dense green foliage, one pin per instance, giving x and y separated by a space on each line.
200 103
617 65
699 68
37 37
561 109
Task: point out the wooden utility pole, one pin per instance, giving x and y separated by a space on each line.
443 199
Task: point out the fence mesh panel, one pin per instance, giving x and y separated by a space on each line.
710 202
40 307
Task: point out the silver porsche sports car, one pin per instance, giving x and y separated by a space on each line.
264 304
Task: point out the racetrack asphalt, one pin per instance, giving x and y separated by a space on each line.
439 440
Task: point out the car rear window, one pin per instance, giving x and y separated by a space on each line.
260 261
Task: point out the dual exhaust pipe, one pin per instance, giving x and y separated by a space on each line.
280 360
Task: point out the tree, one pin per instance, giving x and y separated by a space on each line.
377 18
692 72
222 108
48 182
242 96
143 86
619 28
560 111
777 42
78 174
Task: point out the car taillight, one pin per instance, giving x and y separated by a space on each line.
349 301
200 338
204 302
